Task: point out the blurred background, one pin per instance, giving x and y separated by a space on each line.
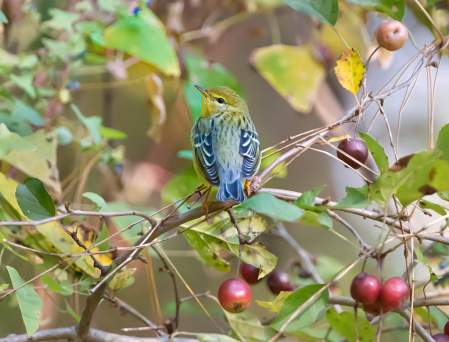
156 115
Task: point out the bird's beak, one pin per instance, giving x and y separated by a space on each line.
202 90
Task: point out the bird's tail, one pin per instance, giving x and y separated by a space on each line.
231 191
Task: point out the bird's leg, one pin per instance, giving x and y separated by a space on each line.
206 204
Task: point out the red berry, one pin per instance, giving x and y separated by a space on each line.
234 295
250 273
365 288
376 307
394 292
278 281
441 338
392 35
446 328
356 149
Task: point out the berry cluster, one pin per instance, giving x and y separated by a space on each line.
234 294
366 289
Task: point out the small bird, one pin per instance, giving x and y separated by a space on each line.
225 143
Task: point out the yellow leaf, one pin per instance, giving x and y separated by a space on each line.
275 306
292 72
339 138
350 70
8 190
121 278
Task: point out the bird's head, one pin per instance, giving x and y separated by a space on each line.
221 99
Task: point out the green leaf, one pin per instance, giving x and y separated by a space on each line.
424 316
207 75
377 151
104 234
344 324
121 278
354 199
325 10
92 123
275 305
64 135
34 200
12 141
4 286
423 175
30 303
61 20
180 186
143 36
269 205
70 310
319 219
23 112
292 71
444 195
8 247
98 200
327 267
307 199
308 315
432 206
41 162
66 287
53 285
110 133
3 18
25 82
185 154
394 8
422 259
442 143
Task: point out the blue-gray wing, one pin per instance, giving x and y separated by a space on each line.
250 150
204 155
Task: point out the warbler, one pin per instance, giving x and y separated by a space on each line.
225 143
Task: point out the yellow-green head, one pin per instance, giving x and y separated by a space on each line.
221 99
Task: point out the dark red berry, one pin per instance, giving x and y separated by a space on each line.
234 295
365 288
250 273
441 337
446 328
376 307
356 149
278 281
394 292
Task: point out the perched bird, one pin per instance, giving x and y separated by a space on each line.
225 143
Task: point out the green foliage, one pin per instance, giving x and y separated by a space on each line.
308 315
432 206
180 186
30 303
52 284
269 205
92 123
121 278
394 8
424 174
442 143
422 259
344 324
3 18
12 141
207 75
104 234
325 10
34 200
377 152
275 305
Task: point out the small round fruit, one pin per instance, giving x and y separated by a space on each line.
392 35
234 295
278 281
376 307
446 328
356 149
250 273
441 337
365 288
394 292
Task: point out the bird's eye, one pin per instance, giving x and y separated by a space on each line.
220 100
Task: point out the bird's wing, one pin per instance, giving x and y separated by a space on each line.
250 151
203 152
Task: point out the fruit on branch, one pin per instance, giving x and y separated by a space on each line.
250 273
394 293
376 307
446 328
392 35
278 281
365 288
441 338
234 295
356 149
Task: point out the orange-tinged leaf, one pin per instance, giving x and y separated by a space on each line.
350 70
